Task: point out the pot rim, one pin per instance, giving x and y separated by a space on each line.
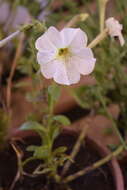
104 151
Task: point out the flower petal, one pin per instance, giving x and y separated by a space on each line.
60 75
72 72
44 44
84 61
54 36
48 69
45 57
74 37
66 74
50 40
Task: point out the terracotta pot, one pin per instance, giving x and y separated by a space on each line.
113 164
96 145
104 151
99 127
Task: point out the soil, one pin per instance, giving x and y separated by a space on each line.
98 179
124 171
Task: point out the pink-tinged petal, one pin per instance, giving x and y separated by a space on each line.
74 37
84 61
72 72
44 44
54 36
84 53
60 75
48 69
51 39
45 57
66 74
121 39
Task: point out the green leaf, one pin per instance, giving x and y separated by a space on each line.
21 84
46 170
54 132
59 150
33 125
41 152
31 148
62 119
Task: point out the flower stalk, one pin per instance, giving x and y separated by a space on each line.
9 38
99 38
77 18
24 28
102 9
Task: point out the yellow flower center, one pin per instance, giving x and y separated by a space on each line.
63 53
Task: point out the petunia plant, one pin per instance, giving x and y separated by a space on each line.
62 56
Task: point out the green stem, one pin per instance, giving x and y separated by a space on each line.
14 34
99 38
51 107
111 118
102 9
9 38
95 165
75 150
28 160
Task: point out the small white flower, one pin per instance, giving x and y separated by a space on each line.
63 55
115 28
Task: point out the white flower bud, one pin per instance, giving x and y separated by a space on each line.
115 29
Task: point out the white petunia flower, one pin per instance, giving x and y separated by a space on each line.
63 55
115 29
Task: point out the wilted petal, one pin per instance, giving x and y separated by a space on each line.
115 29
74 37
121 39
43 15
43 3
22 16
84 61
4 12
